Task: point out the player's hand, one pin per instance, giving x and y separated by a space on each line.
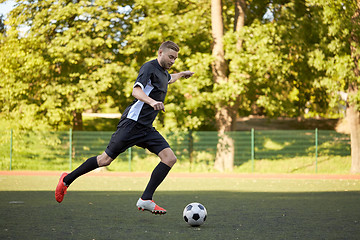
158 106
187 74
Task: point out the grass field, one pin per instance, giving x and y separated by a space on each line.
102 206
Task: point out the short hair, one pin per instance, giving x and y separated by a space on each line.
169 45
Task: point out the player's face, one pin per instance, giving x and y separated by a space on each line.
167 58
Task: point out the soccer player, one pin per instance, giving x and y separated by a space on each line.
135 127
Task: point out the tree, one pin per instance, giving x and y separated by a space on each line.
78 40
64 60
225 147
267 56
240 14
338 59
354 106
230 78
226 114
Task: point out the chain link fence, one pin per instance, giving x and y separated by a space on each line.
28 150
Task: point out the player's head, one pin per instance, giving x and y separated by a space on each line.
167 54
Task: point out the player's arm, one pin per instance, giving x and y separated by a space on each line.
176 76
139 94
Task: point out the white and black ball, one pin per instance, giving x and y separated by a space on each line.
195 214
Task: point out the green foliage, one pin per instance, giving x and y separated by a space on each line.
271 69
333 57
60 57
64 60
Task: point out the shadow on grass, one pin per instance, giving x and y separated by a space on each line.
231 215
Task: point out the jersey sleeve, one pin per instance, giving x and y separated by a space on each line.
169 77
144 76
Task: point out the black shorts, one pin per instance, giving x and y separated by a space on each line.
130 133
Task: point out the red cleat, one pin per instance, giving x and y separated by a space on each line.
149 205
61 189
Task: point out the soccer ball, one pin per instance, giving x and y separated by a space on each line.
195 214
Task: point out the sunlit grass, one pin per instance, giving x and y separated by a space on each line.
323 164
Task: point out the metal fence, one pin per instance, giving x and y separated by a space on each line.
58 150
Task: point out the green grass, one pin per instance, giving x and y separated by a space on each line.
103 207
325 164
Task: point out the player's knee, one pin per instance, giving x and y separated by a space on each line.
172 160
104 163
175 159
104 160
168 157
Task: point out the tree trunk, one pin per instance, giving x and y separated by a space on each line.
77 121
353 116
239 23
219 66
353 113
240 8
225 148
224 159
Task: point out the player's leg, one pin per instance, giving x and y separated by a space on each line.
118 144
157 144
89 165
168 159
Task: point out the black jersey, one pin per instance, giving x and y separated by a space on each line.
153 80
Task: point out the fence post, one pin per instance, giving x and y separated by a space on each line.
252 149
129 158
70 149
316 149
191 149
11 146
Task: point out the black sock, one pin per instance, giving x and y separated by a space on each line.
86 167
157 176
